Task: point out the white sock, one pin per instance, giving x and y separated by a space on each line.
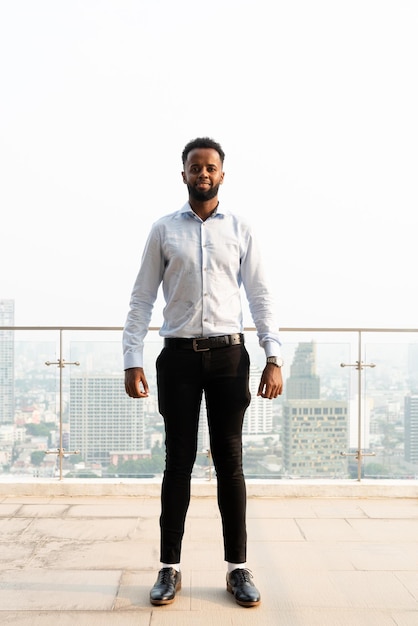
176 566
232 566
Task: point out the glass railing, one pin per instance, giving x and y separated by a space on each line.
349 409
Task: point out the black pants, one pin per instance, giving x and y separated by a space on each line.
182 376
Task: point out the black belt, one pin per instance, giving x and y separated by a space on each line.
201 344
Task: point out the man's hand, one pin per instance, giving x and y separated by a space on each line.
271 384
136 385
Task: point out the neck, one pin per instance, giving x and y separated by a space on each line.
204 209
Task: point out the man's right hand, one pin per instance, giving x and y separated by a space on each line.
136 385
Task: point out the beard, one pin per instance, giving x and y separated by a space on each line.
202 196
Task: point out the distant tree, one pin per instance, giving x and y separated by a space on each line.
38 430
149 465
75 458
37 457
375 469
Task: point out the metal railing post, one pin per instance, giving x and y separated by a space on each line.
359 365
61 364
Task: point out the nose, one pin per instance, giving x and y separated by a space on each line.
203 174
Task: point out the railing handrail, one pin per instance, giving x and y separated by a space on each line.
336 329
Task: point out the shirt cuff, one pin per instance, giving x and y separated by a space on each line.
133 359
272 348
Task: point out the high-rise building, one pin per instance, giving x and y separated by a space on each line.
411 428
303 382
6 362
258 418
104 421
315 430
413 367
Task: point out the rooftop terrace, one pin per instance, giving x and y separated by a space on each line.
336 553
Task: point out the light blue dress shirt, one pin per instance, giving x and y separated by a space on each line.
201 265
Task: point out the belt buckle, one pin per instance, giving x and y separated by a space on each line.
196 345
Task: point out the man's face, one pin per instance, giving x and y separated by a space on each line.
203 173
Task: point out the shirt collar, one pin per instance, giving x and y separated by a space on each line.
219 212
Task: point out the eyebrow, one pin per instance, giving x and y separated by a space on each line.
198 163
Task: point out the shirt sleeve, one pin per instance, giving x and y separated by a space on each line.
260 299
142 301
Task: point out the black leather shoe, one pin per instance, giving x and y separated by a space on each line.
166 586
240 584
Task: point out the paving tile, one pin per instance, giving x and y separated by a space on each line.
96 555
374 589
405 618
42 510
391 530
37 590
328 529
11 499
16 554
209 590
299 556
204 529
9 510
87 530
131 508
384 556
207 555
273 530
279 508
73 618
160 617
134 590
295 589
388 508
205 508
13 527
318 617
410 580
332 508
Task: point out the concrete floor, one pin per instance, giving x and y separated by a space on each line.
323 560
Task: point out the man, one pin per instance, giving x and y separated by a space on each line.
202 254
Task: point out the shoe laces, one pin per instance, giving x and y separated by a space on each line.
165 575
245 575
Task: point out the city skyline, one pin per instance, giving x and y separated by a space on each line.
317 417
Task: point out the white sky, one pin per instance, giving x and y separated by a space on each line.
314 102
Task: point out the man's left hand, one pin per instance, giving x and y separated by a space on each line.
271 383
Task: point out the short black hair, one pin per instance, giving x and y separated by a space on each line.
202 142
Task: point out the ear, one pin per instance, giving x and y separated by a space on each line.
222 179
184 178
